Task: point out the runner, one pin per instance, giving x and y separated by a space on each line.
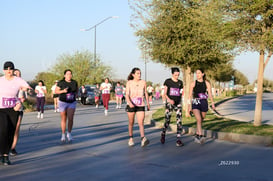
40 91
163 94
198 90
97 95
135 92
22 95
83 93
9 109
119 95
105 88
55 96
67 90
150 91
173 93
157 92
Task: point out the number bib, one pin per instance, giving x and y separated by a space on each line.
202 96
174 92
70 97
8 102
40 95
106 91
137 101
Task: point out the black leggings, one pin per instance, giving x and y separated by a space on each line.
8 122
168 112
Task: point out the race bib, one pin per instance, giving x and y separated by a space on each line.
174 92
70 97
40 95
106 91
137 101
8 102
202 96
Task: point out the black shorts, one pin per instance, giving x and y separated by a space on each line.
150 93
134 109
200 104
55 95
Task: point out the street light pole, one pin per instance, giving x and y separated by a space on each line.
95 32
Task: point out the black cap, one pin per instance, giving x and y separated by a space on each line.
8 64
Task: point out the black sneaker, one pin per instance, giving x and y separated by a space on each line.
162 140
13 152
5 160
179 143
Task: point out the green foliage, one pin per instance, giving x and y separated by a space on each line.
240 78
251 22
85 69
222 72
184 33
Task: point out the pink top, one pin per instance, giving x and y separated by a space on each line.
9 91
135 90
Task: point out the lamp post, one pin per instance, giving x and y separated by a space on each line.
95 29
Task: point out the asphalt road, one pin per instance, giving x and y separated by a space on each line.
243 108
100 152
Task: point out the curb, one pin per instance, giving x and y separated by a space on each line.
231 137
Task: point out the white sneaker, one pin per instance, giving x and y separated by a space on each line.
63 138
55 110
106 112
131 142
39 115
144 142
58 110
42 116
69 137
97 106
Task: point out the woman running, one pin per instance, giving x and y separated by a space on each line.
199 89
55 96
40 91
22 95
97 95
135 92
105 88
173 94
67 90
119 95
9 109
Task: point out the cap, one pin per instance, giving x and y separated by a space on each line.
8 64
56 81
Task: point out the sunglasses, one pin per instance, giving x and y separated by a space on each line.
8 68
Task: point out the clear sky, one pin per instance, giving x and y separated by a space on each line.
34 33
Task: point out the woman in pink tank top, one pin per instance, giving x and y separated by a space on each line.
136 91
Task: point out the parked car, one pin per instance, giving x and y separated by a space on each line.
90 98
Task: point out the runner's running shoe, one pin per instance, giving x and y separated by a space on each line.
162 140
179 143
144 142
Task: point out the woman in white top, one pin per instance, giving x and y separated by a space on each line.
40 91
105 88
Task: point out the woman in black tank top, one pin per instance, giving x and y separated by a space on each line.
200 90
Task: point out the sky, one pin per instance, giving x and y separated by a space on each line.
35 33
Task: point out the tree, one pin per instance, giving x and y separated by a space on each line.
252 23
181 33
240 78
84 69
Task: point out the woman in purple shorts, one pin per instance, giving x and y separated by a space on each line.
67 90
200 90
